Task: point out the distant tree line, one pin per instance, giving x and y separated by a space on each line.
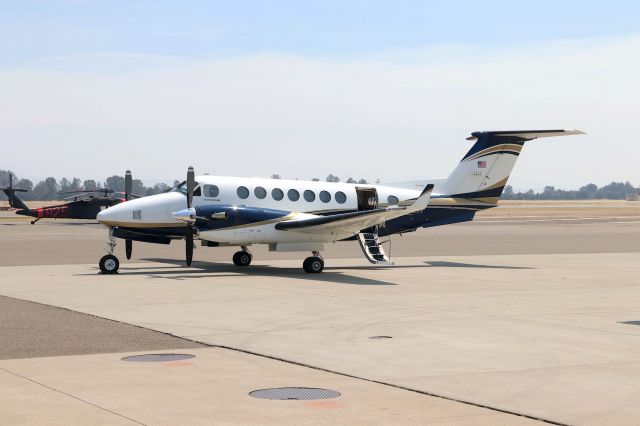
52 189
612 191
333 178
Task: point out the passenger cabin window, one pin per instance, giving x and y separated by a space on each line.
260 192
341 197
243 192
293 195
325 197
211 191
277 194
392 200
310 196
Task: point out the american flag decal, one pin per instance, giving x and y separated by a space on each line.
482 164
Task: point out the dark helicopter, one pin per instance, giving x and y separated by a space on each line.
85 205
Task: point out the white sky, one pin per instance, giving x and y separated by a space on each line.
395 116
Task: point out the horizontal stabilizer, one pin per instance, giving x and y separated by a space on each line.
527 134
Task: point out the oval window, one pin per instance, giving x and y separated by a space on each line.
392 200
309 195
293 195
260 192
277 194
340 197
243 192
325 197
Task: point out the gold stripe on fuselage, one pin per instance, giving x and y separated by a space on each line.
506 147
465 203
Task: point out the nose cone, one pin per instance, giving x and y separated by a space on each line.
186 215
155 210
115 214
102 216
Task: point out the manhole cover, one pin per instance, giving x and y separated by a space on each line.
380 337
294 393
158 357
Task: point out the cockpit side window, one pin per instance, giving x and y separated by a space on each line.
211 190
197 192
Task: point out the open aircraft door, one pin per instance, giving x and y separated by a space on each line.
367 198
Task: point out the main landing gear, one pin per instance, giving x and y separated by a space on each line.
109 264
243 257
313 264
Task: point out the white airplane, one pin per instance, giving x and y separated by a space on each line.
292 215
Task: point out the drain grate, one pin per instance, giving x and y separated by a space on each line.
380 337
158 357
294 394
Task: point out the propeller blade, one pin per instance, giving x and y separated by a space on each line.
11 201
128 244
191 186
189 245
128 185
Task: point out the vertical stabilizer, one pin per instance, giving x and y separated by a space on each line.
10 192
483 172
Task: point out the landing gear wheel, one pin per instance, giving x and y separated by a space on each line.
109 264
313 265
242 258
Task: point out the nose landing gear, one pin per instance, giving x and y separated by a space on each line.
109 264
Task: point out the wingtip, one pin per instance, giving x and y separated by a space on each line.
575 132
428 188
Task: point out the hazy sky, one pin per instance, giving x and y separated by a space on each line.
355 88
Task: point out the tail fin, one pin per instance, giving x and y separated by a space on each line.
14 201
484 170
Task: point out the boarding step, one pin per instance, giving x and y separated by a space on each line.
372 249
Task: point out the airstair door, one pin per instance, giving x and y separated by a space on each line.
367 198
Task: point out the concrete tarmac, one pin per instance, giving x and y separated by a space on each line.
528 313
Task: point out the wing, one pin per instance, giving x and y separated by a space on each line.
354 222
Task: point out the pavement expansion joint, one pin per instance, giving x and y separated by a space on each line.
61 392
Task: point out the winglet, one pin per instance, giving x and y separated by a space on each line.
423 200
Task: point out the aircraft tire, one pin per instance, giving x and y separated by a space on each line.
109 264
313 265
242 258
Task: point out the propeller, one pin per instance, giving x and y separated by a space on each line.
191 185
128 186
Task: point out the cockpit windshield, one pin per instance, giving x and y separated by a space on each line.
182 187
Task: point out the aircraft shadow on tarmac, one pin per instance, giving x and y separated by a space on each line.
428 264
629 322
217 270
443 264
331 274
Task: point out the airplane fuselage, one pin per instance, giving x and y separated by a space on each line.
253 206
